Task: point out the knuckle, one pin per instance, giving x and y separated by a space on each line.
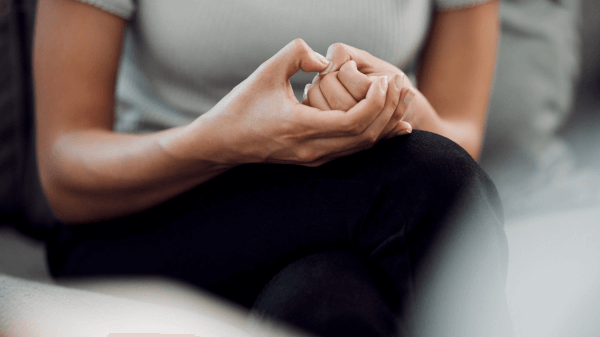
342 72
336 48
299 43
345 68
299 46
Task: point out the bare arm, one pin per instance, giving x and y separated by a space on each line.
90 173
454 79
456 72
76 55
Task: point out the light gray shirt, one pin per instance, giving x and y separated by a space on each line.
180 57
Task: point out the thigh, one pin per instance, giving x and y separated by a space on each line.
230 235
235 232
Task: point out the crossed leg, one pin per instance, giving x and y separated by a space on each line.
417 210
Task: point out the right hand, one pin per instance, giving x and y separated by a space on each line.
260 120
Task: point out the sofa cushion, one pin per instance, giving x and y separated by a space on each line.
537 68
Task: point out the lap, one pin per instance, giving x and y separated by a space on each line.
233 233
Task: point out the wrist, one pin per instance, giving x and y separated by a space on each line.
193 147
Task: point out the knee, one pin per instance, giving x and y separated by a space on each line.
454 194
427 182
427 163
434 190
434 155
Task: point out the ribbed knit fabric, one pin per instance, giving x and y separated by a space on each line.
182 56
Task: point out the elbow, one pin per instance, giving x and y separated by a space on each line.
54 180
68 207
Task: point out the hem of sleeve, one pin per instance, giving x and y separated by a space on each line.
116 9
459 5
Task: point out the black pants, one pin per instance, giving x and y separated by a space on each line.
413 225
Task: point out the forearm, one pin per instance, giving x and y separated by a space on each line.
456 69
92 175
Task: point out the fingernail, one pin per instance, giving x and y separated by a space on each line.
322 58
400 81
406 130
315 79
305 95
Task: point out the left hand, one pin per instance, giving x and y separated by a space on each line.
347 65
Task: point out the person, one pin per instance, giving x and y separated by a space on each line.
171 141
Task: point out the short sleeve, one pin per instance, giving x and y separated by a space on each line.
441 5
122 8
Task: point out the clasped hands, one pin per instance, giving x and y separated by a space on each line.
356 101
344 88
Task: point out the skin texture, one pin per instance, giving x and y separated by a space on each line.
344 88
454 78
90 173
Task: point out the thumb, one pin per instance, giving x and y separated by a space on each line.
296 55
